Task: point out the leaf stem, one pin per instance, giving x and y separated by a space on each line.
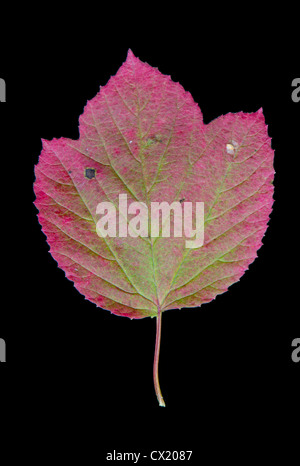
156 359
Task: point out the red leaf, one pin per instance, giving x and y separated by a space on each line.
142 135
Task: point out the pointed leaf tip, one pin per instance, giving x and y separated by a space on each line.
130 55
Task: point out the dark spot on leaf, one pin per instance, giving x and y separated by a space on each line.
89 173
157 138
70 171
154 139
181 200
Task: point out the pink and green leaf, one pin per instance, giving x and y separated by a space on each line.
143 135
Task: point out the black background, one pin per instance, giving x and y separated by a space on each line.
228 362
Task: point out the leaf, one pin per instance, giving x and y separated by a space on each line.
143 135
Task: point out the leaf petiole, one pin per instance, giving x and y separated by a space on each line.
156 360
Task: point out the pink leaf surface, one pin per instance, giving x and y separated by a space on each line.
143 135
